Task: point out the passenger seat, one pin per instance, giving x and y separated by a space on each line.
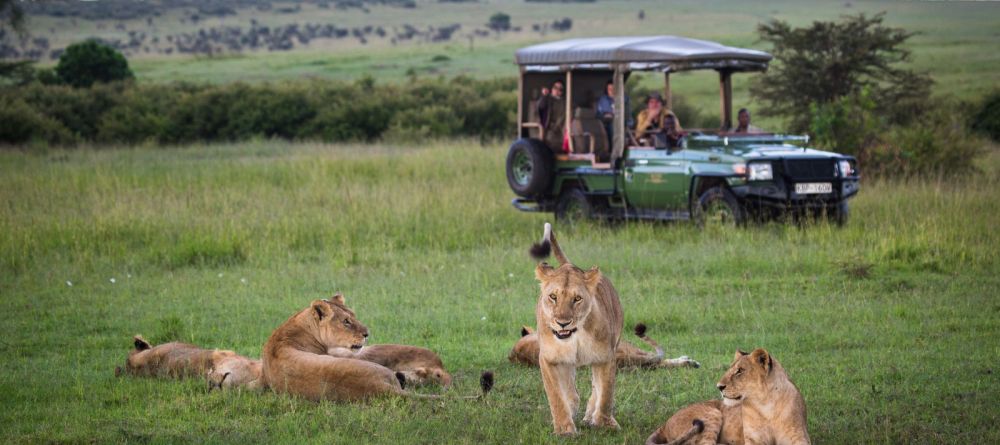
589 135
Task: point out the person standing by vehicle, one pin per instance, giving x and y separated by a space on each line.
606 111
552 109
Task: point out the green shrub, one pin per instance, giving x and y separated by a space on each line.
20 124
935 143
986 120
89 62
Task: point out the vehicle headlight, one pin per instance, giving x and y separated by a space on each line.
845 168
760 171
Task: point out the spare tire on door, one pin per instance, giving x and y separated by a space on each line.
529 168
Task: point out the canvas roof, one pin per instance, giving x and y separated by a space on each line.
666 53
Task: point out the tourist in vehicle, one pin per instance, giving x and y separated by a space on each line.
606 111
540 108
743 122
651 119
672 135
552 111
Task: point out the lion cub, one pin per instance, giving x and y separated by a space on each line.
236 372
419 366
760 406
172 359
579 322
627 355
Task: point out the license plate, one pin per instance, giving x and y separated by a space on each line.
811 188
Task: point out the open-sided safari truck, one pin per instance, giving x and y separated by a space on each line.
710 175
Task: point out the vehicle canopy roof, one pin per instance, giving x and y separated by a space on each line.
653 53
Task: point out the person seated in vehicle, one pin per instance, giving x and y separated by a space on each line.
651 121
552 110
672 135
606 111
537 105
743 122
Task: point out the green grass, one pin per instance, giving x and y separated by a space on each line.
888 326
957 41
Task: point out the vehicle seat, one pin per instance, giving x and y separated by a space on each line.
588 133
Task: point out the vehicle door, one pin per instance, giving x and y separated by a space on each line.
657 179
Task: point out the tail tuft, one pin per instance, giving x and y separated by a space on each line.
541 251
140 343
486 382
402 379
698 425
640 330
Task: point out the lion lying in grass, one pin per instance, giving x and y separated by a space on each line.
237 372
178 360
419 366
627 356
296 360
760 406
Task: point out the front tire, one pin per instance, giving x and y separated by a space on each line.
719 207
839 213
574 206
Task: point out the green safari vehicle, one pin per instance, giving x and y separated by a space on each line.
573 168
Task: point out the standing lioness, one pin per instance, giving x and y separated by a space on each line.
579 322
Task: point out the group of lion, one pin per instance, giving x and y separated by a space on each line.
320 353
579 321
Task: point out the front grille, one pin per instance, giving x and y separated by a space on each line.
810 168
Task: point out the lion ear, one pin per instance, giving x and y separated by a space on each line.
338 298
525 331
592 277
543 271
762 358
739 354
321 310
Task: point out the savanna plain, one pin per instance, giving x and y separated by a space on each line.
887 325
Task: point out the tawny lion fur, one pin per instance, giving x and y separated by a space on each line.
760 406
419 366
579 322
174 359
627 355
237 372
296 358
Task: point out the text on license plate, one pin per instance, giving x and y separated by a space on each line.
808 188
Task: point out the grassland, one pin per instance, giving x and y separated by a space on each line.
956 41
888 326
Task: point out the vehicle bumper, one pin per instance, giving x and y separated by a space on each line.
781 194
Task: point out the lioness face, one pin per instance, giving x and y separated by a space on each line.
745 377
567 297
337 326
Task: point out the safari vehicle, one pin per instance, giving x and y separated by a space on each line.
713 175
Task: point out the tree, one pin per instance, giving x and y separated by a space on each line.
84 63
499 22
828 61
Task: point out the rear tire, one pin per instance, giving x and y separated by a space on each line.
529 168
719 207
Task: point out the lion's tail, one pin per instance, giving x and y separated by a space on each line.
697 426
485 383
548 245
640 331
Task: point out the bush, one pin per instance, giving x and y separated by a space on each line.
20 124
935 143
89 62
315 110
986 120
